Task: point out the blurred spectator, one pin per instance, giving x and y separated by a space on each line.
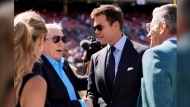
183 55
65 53
6 54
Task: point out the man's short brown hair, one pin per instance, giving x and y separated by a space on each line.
113 13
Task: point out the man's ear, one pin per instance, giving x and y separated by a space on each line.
163 27
116 24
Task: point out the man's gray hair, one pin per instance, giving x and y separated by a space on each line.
167 13
54 25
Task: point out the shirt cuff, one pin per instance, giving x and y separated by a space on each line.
82 103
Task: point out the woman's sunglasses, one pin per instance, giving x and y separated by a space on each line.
56 39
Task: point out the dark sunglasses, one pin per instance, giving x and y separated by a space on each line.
56 39
99 27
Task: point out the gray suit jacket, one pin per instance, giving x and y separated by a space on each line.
183 71
127 82
158 85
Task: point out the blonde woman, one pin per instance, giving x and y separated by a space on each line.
29 32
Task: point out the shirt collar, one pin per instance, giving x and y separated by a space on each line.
172 38
53 61
120 44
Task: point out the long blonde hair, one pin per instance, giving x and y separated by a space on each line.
28 26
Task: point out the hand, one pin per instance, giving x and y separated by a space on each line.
84 56
88 102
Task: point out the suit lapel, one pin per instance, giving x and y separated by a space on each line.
54 76
67 72
101 67
125 60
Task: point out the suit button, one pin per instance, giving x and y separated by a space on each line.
110 101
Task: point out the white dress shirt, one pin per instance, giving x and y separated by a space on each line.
118 51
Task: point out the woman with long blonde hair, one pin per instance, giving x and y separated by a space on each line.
29 31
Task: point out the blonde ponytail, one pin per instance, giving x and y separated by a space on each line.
28 27
22 47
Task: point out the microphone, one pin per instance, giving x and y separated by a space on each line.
96 44
85 44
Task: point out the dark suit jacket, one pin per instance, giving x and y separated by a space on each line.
127 82
57 94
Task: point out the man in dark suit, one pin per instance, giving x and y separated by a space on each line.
183 55
62 82
160 61
116 70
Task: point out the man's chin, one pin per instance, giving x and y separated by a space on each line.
57 58
103 42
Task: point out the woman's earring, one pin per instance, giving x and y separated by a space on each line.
40 48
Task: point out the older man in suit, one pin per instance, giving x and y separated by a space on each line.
183 55
159 81
116 70
62 82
